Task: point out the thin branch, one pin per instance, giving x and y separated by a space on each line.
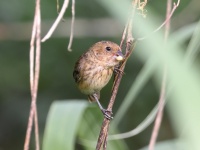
37 72
123 35
31 55
30 120
164 23
128 27
130 44
37 140
72 26
105 125
102 140
167 26
34 77
163 89
58 19
159 113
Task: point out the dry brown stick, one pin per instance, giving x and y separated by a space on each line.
105 125
37 71
102 140
37 140
162 98
29 127
34 77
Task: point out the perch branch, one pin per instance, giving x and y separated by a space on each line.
102 140
105 125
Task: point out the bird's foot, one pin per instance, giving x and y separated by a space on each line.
116 70
107 114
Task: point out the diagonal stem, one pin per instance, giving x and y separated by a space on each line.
163 87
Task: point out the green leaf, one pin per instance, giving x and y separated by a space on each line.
62 123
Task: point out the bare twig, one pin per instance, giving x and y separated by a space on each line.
159 116
34 77
163 89
72 26
128 26
37 72
123 35
30 121
164 23
59 18
105 125
130 44
102 140
37 140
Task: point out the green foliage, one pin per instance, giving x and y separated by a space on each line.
62 123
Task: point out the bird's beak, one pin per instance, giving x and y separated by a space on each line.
119 55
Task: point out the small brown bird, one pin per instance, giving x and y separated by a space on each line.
94 69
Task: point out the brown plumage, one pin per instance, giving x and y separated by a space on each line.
95 67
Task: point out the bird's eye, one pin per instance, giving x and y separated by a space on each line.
108 48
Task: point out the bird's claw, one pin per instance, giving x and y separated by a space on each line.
105 113
116 70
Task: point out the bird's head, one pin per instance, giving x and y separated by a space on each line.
108 53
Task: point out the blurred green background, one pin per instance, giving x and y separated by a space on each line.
93 23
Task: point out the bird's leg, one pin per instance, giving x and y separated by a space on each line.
104 111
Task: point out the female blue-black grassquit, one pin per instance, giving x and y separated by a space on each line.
94 69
